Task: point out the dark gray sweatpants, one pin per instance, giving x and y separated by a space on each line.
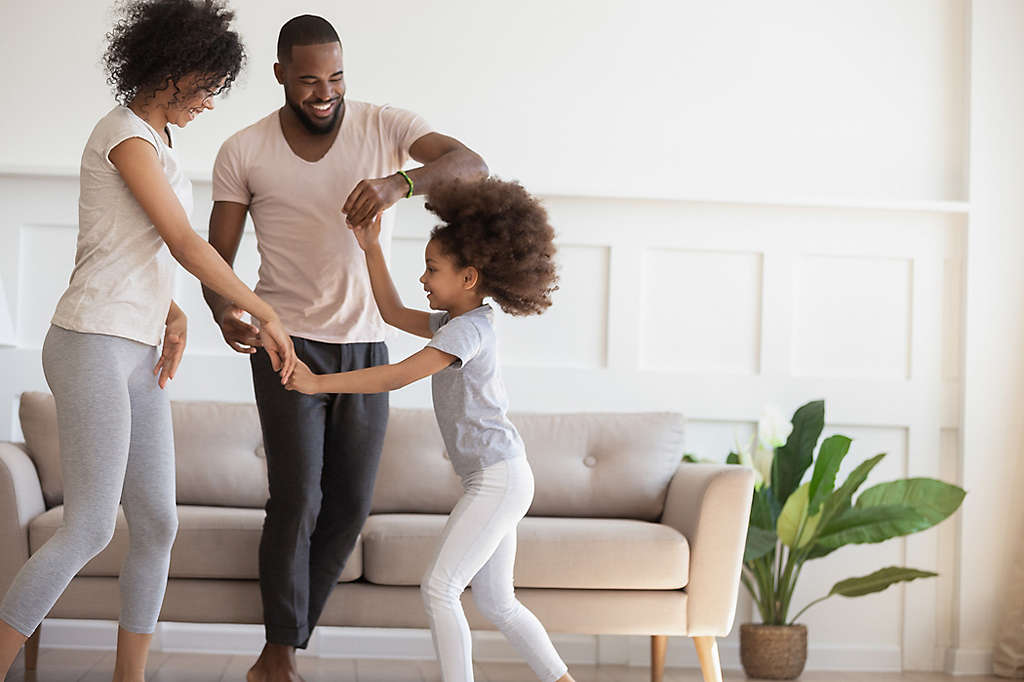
322 456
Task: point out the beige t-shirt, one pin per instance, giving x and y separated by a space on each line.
123 279
312 271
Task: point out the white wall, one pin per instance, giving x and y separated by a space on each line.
756 203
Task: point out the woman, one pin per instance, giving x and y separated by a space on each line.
166 60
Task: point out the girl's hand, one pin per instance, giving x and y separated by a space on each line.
367 235
278 344
303 380
175 336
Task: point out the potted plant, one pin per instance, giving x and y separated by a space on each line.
792 523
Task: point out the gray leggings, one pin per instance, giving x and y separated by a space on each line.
116 444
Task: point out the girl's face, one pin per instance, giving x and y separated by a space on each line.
447 285
192 99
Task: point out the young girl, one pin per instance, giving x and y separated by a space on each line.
495 242
166 60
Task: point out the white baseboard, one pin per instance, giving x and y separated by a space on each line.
487 646
969 661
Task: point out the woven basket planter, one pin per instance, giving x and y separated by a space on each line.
773 652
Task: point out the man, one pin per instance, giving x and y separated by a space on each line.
303 172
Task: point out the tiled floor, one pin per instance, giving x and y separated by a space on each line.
66 665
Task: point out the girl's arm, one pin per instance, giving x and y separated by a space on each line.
384 292
378 379
139 166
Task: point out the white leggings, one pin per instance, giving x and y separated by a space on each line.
478 547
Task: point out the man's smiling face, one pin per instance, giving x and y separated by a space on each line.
314 85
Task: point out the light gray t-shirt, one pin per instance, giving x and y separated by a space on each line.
124 273
470 402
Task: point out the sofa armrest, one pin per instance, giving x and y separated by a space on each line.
21 500
710 505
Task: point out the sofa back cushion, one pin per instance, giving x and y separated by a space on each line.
614 465
591 465
218 450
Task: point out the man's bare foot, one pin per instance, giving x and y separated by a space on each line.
275 664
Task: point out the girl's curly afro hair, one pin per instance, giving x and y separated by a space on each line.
503 232
156 40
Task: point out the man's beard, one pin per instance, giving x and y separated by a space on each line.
311 125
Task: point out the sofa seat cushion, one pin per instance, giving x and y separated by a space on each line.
212 542
568 553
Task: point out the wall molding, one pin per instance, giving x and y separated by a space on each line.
866 204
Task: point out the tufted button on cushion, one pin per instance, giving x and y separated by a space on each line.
590 461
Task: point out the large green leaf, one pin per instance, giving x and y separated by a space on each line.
934 500
878 581
759 542
764 511
823 481
839 502
793 459
870 525
796 527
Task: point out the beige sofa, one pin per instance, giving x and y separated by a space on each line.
622 537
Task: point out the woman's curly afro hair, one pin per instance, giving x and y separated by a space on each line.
156 40
503 232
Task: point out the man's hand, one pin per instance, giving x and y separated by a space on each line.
373 196
241 336
175 335
367 235
303 380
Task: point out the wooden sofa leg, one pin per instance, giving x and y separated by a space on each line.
659 643
707 653
32 650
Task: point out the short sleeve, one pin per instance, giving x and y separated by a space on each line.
229 177
124 132
458 337
403 128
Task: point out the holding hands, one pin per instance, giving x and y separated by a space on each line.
246 338
367 235
371 197
241 336
278 344
303 380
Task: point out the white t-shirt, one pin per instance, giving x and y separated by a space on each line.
312 271
123 279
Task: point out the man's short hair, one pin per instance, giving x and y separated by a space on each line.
306 29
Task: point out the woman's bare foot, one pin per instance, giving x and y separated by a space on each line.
566 678
275 664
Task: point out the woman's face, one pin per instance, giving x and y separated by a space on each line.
194 96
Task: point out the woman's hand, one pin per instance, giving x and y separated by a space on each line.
278 344
175 335
303 380
367 235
